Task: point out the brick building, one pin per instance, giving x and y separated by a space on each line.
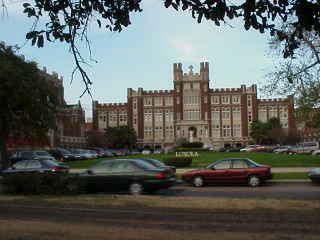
70 118
192 110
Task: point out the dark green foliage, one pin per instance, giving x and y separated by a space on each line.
28 101
270 132
192 145
41 183
178 162
120 137
190 149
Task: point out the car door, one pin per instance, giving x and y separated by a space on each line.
219 172
239 171
123 173
99 177
34 166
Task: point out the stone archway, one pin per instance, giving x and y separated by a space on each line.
192 133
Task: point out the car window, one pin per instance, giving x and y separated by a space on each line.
33 164
224 164
123 167
51 163
27 155
42 153
239 163
20 165
104 167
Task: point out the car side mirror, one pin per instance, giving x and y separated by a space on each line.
212 168
90 172
13 168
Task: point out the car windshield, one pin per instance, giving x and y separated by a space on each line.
63 151
42 153
154 162
253 163
51 163
145 165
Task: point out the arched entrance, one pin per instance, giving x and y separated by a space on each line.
192 133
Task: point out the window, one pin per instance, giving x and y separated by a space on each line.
225 99
147 101
225 164
226 131
236 114
158 101
235 99
216 131
168 101
225 114
187 86
262 114
196 86
148 115
249 116
236 130
273 112
239 164
33 164
215 114
249 100
215 100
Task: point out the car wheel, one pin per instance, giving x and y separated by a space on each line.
254 181
135 188
197 181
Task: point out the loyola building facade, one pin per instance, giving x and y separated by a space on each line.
192 110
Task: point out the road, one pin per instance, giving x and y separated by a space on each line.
19 222
290 190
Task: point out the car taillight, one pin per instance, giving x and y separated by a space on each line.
161 175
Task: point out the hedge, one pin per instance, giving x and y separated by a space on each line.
192 145
178 162
185 149
40 183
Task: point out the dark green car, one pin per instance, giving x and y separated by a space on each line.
131 175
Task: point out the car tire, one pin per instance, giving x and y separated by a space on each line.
198 181
136 189
254 181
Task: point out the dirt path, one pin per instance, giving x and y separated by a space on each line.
19 222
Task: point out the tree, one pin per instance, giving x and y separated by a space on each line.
258 131
268 132
121 137
96 139
68 21
28 102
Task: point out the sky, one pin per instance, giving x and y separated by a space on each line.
143 54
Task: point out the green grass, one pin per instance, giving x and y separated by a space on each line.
206 158
290 175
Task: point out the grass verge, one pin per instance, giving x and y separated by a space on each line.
206 158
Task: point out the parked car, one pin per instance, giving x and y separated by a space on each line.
146 152
314 175
61 154
159 164
108 153
36 166
316 152
306 147
78 154
249 148
230 170
126 175
158 151
29 155
285 150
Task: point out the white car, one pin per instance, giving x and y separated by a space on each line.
146 152
249 147
316 152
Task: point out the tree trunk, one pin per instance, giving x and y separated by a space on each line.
4 160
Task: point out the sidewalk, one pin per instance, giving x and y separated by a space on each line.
183 170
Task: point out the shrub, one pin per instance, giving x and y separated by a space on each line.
178 162
192 145
188 149
40 183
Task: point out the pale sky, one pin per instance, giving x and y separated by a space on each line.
142 55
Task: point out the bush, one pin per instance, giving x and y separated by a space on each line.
178 162
188 149
40 183
192 145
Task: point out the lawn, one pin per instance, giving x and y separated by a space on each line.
206 158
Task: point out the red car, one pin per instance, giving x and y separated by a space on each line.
230 170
